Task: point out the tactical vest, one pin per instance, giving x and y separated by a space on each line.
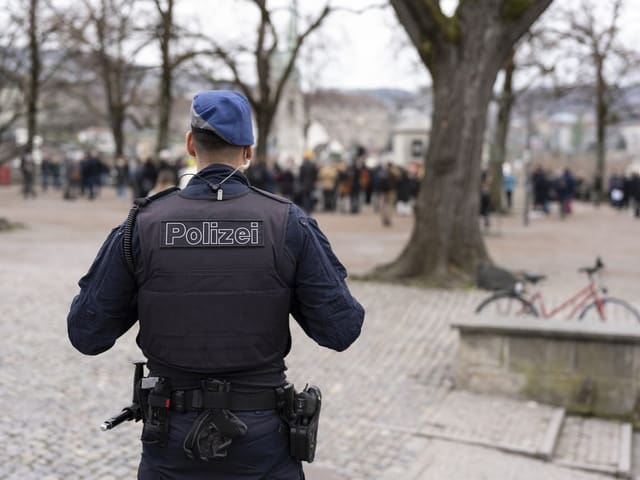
214 284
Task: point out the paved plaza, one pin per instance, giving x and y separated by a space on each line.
390 409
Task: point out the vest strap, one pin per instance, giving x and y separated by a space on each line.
130 222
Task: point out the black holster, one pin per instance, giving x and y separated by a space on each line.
155 397
301 411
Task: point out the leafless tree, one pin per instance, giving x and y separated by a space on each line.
173 55
31 31
271 79
464 53
530 65
12 64
591 36
106 39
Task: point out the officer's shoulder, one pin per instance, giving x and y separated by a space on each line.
272 196
163 194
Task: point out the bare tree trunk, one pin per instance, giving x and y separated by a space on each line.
448 205
166 76
117 130
464 54
34 75
264 120
601 41
499 145
602 112
166 100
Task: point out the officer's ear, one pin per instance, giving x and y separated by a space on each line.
191 149
248 153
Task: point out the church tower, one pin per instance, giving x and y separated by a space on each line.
287 140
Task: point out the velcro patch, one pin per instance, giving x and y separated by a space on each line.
212 233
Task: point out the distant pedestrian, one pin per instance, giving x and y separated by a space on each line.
509 185
121 170
357 178
46 172
147 176
72 178
560 192
28 170
328 178
369 186
286 180
308 177
386 188
616 191
634 193
540 190
344 188
485 198
570 186
91 169
404 188
55 173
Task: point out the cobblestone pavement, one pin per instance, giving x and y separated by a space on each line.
54 398
590 442
509 424
445 460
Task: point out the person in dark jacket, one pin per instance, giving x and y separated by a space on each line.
308 177
212 275
147 177
634 193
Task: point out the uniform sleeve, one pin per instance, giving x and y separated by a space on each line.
106 306
322 303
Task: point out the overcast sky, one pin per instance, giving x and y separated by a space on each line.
367 50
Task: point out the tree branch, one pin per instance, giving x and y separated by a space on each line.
230 62
612 30
428 28
521 15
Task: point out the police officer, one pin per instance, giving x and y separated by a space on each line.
212 273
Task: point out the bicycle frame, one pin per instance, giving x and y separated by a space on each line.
580 299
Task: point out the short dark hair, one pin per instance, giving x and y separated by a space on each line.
209 142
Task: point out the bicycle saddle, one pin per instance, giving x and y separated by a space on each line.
594 269
533 277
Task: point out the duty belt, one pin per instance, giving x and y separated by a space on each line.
201 399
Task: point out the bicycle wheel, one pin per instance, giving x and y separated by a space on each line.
613 310
507 304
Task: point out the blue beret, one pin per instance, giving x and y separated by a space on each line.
224 112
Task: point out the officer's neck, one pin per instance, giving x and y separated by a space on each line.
201 164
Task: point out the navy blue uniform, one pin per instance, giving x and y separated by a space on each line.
107 307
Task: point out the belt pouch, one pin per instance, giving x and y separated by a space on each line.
156 425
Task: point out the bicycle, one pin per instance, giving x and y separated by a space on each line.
587 301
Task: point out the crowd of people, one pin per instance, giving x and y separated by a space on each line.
548 188
333 186
624 192
561 187
84 176
340 187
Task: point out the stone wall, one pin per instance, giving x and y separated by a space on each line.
588 369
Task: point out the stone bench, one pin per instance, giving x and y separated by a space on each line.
586 368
